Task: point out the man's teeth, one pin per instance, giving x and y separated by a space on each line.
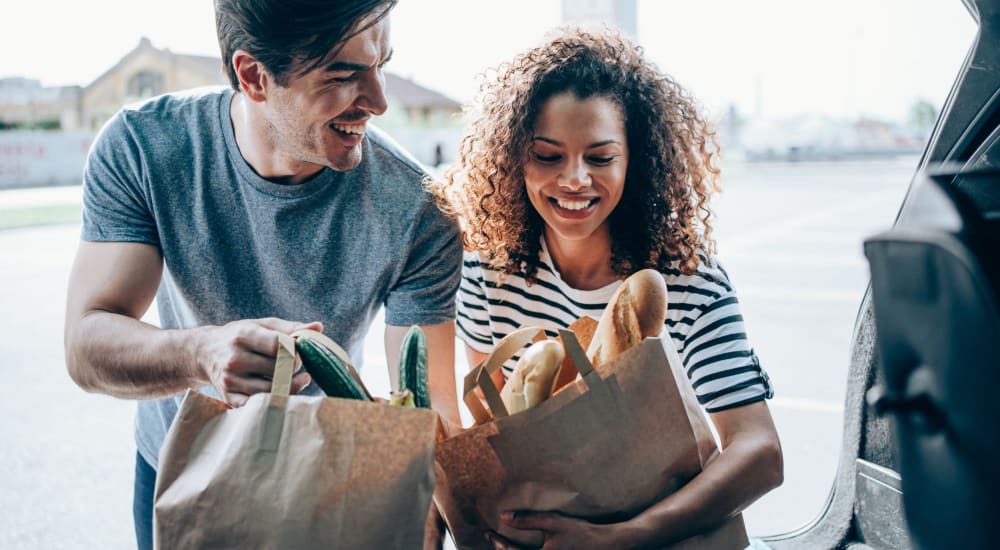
350 129
572 205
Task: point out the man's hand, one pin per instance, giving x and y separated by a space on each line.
560 532
238 358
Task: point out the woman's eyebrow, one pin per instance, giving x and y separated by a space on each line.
546 140
603 143
591 146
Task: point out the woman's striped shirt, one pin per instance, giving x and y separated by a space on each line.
703 321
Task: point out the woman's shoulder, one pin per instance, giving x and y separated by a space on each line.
475 267
710 276
472 261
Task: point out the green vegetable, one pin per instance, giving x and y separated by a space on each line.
332 373
402 398
413 366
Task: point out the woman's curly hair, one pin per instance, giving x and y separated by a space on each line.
663 216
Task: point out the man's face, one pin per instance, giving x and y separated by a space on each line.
320 117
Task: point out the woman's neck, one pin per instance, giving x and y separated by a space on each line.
582 264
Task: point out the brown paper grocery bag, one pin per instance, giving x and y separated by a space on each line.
606 447
294 471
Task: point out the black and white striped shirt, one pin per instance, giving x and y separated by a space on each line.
703 321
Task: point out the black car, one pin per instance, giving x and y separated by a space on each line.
920 458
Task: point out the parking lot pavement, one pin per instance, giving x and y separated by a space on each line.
38 196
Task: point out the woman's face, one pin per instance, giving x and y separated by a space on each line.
575 172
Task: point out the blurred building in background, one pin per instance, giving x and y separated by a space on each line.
25 103
47 130
144 72
814 136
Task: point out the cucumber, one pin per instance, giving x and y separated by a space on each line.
413 366
331 373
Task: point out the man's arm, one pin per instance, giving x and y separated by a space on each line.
109 350
440 366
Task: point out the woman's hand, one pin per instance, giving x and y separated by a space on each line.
749 466
562 532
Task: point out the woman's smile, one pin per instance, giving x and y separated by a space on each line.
574 208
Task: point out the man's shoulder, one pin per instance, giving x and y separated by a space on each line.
166 123
392 156
182 99
173 109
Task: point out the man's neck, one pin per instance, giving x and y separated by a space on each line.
256 144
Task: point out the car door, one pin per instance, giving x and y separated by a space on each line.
866 508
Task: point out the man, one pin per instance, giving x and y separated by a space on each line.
254 211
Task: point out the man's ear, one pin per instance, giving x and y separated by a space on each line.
253 78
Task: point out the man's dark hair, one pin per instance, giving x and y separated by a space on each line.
290 37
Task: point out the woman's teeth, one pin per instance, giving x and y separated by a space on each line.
573 205
350 128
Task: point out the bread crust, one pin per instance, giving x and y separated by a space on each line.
533 377
545 357
637 310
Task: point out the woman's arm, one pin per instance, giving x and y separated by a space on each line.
749 466
476 357
440 366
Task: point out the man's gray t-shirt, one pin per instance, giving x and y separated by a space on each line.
235 246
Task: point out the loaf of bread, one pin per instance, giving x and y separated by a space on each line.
637 310
534 374
583 328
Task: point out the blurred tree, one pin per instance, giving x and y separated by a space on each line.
731 127
923 115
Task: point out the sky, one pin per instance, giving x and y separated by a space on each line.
767 58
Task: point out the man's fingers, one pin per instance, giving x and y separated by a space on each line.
300 381
247 364
246 385
238 388
288 327
235 399
260 335
315 325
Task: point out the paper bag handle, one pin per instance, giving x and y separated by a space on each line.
504 350
284 366
576 354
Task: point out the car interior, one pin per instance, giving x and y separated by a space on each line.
919 455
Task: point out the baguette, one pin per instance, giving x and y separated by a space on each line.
637 310
545 357
512 393
583 328
534 374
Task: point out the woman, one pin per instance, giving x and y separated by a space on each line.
584 165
